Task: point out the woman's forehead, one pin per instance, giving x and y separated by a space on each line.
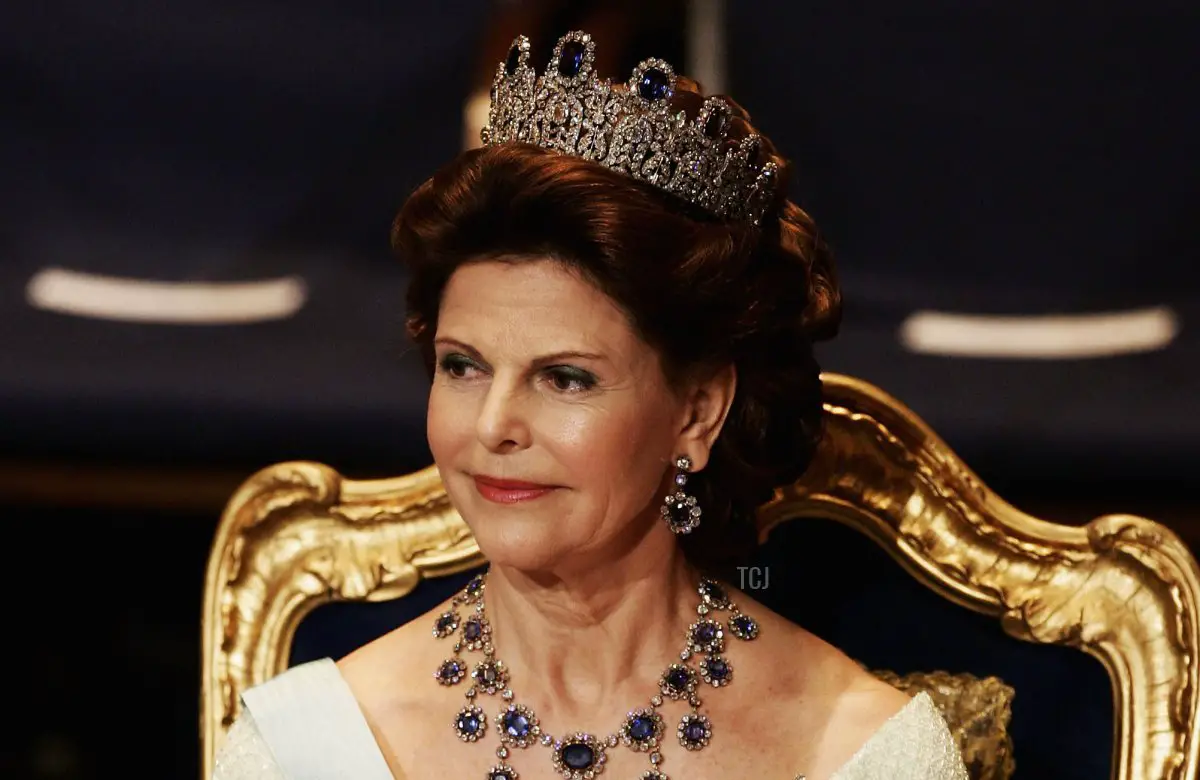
535 303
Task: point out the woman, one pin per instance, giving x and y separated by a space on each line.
618 307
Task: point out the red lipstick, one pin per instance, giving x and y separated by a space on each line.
509 491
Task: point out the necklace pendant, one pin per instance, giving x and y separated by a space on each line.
642 730
706 636
473 591
490 676
476 633
518 726
450 672
716 671
579 757
470 724
695 731
446 624
743 627
678 682
714 595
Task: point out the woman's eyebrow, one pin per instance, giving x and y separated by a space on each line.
540 361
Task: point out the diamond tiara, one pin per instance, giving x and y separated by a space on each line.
633 131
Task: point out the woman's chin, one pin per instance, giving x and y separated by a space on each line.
531 551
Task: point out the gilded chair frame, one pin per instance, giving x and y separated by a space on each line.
1122 588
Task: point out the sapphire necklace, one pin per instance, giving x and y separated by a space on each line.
579 755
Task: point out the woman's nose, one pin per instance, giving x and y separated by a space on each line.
503 419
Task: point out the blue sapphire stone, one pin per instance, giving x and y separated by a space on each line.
450 670
678 679
654 84
694 732
475 586
445 623
577 755
704 634
717 668
469 723
473 630
714 592
714 126
513 60
641 728
570 62
680 513
744 626
516 724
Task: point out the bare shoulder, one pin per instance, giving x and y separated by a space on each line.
834 705
389 676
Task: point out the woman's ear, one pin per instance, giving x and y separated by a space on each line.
708 403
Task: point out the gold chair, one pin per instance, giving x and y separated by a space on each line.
1122 589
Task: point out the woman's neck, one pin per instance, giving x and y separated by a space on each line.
582 647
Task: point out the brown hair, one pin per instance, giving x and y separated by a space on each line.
703 292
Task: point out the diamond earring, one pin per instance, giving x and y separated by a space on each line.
679 509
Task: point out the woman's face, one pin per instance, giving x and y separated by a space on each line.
550 420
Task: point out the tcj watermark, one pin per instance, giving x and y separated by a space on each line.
754 577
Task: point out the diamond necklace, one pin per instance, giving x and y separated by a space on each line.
579 755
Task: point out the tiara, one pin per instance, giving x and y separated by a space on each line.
633 131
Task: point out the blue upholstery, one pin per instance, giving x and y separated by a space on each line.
334 630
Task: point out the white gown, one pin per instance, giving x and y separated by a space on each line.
306 725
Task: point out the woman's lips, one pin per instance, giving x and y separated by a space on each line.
508 491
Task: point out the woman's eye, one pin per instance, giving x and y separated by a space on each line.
571 380
457 366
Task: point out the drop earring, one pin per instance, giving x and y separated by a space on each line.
679 509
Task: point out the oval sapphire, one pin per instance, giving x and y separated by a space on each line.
468 723
577 755
694 731
570 61
717 668
450 670
475 586
705 633
654 84
446 623
513 60
473 630
515 724
641 728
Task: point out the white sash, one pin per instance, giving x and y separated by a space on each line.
314 727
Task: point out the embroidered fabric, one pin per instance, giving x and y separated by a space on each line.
244 754
915 744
